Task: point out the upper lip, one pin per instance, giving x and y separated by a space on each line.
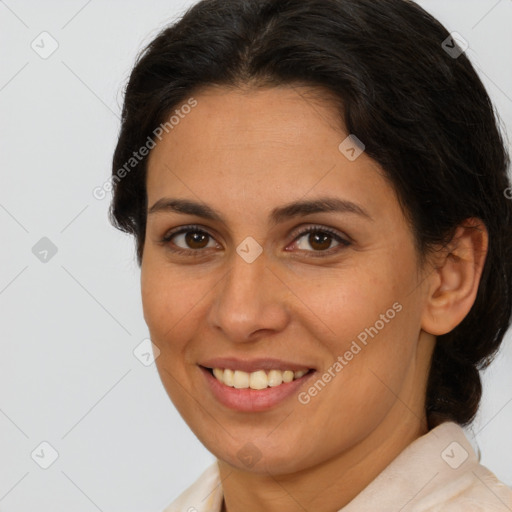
252 365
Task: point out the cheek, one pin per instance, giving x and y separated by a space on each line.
154 298
345 303
160 303
372 319
171 301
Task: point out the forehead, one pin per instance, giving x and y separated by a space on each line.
229 119
260 145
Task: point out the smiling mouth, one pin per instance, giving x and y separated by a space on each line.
259 379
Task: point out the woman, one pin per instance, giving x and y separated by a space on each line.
317 190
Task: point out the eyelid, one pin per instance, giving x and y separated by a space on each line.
183 229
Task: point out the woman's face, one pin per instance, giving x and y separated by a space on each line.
247 288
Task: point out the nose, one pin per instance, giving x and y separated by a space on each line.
250 301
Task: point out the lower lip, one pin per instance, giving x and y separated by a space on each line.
252 400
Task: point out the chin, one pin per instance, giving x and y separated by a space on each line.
260 456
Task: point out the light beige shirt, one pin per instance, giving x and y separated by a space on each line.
438 472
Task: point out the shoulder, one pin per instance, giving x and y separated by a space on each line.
204 495
439 472
476 491
463 484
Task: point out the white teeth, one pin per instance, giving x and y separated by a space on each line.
256 380
275 377
241 380
227 377
287 376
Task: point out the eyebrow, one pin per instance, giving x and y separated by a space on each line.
279 214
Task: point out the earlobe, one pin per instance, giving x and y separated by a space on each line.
455 280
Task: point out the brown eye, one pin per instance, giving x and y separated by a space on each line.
196 239
188 239
319 239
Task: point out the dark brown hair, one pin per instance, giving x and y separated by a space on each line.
419 108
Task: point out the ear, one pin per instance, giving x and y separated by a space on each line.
453 284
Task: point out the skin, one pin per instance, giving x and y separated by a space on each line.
245 152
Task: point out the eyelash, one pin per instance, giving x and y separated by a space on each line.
197 229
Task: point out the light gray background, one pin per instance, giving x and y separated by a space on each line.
68 375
